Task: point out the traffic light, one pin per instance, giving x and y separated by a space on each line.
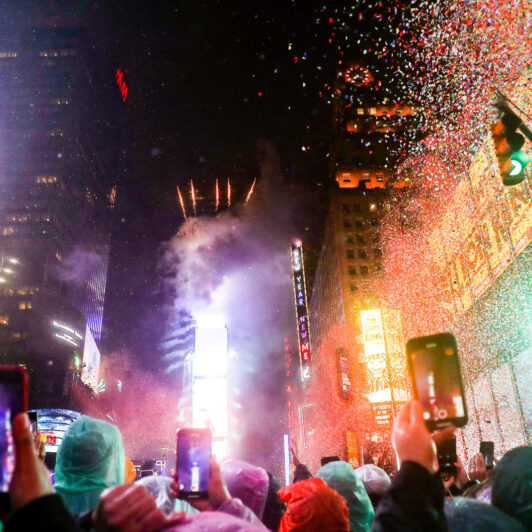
508 143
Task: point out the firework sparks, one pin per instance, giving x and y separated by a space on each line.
229 193
193 196
217 194
250 191
181 202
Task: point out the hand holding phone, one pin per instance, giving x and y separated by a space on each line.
193 463
437 381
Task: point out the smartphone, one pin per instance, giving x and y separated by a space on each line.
328 459
193 463
487 449
34 420
447 456
437 381
13 400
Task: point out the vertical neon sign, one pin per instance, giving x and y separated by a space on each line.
300 292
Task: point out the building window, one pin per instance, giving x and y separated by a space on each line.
355 207
347 224
378 252
345 207
354 287
4 320
364 270
350 253
352 270
24 305
46 179
359 225
360 111
360 238
372 207
362 254
348 239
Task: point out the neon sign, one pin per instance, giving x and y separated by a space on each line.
301 311
121 83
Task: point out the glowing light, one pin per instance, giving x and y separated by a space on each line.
12 260
228 193
286 447
193 196
250 190
181 202
217 196
121 83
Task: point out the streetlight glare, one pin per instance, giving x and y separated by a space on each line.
2 280
13 260
7 270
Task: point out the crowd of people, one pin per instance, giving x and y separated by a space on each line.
95 490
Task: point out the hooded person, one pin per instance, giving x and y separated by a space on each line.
512 485
274 507
313 507
246 482
90 459
375 480
341 477
131 473
469 515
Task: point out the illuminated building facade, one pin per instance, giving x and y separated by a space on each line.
58 168
347 406
477 244
209 385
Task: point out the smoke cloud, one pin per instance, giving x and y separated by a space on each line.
236 267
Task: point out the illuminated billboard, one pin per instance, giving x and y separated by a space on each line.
209 385
91 360
300 293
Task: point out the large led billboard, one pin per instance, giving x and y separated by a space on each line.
209 385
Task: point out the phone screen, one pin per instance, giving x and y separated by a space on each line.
12 402
447 456
34 422
487 449
193 462
437 382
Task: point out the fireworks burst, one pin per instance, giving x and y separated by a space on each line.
250 191
229 193
193 196
181 202
217 195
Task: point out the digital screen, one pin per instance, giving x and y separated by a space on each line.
10 406
193 457
438 382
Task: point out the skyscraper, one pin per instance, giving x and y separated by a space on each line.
60 141
348 402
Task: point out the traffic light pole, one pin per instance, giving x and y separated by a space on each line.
505 108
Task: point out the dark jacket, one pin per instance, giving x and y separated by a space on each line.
46 513
301 473
414 502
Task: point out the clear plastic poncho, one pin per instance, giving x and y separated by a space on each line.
90 459
341 477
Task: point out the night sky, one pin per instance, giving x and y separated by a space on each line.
205 83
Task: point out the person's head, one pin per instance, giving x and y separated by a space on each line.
274 507
469 515
313 507
247 483
90 459
512 484
375 480
341 477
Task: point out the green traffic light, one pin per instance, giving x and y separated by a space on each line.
519 161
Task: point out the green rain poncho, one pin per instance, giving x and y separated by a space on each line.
341 477
90 459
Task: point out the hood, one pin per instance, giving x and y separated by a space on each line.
159 489
375 480
313 507
469 515
90 459
341 477
246 482
512 484
214 521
